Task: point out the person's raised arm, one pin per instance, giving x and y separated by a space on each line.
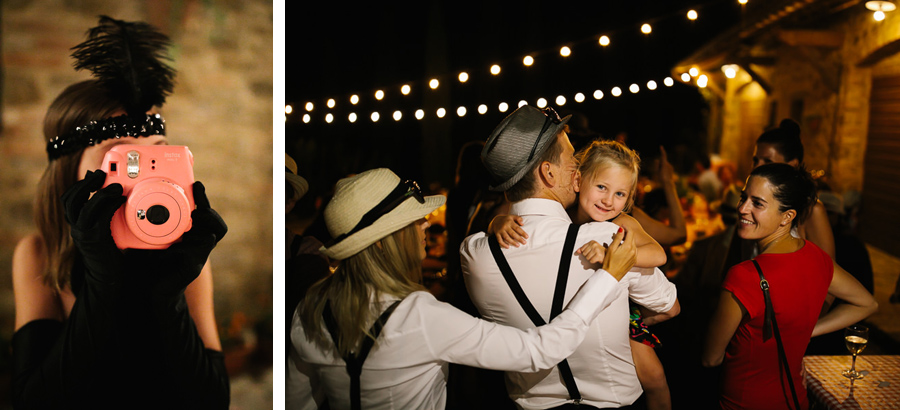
676 231
859 303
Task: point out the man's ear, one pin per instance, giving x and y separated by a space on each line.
546 174
788 216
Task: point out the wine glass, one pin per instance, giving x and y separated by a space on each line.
856 337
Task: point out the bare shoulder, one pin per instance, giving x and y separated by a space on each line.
34 299
29 257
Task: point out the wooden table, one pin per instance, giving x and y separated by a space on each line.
828 389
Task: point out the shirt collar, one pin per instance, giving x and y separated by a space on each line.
539 206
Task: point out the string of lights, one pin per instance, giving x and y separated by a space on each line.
312 111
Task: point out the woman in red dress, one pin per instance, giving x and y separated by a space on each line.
776 198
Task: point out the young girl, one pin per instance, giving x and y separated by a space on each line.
609 173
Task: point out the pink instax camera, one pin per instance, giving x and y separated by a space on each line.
158 181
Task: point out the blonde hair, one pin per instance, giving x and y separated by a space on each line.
390 266
77 105
600 155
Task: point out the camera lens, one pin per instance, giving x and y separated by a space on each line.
157 214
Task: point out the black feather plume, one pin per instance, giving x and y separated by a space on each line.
128 59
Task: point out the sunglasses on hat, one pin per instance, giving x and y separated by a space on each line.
401 192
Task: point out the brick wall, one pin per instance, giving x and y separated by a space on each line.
221 108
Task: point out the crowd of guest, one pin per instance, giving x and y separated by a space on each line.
709 222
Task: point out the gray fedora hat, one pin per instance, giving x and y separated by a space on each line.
515 145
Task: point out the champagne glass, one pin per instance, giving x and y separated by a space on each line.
856 337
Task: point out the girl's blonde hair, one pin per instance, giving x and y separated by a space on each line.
601 154
390 266
76 106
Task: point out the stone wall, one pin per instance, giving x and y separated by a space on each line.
221 108
833 86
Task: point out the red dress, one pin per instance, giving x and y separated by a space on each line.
752 375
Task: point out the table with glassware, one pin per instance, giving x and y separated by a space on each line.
879 388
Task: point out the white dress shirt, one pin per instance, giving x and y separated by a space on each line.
407 367
602 365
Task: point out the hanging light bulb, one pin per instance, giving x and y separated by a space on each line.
329 118
330 103
668 81
522 103
352 117
692 15
420 114
495 69
441 112
463 77
398 115
405 89
598 94
702 81
482 109
616 91
379 95
694 71
685 77
634 88
528 61
604 41
560 100
503 107
461 111
288 109
375 116
306 118
565 51
651 85
646 29
579 98
730 70
541 102
354 99
434 83
309 106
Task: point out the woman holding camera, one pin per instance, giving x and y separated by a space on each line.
96 325
370 336
761 371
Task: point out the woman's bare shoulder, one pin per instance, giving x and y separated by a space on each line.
29 255
34 298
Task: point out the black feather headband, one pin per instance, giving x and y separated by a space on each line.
128 60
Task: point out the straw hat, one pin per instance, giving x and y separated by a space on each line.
290 174
515 145
357 195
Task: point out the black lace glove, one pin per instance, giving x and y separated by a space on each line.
197 374
169 271
89 221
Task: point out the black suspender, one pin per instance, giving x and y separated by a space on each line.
559 294
355 361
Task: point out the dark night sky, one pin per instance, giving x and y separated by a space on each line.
334 49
